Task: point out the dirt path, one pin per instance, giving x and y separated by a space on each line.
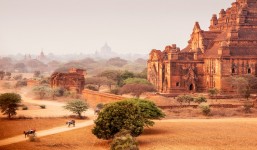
53 109
42 133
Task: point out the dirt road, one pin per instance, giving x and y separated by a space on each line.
56 130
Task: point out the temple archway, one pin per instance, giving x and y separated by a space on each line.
191 87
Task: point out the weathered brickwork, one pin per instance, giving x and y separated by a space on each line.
228 48
72 81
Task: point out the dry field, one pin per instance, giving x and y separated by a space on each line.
181 134
9 128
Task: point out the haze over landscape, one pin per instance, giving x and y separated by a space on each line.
84 26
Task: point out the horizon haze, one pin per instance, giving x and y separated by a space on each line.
84 26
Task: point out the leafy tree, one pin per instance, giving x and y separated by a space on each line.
111 74
243 85
200 99
136 81
123 140
149 110
41 90
77 106
125 75
117 116
213 92
129 114
9 103
136 89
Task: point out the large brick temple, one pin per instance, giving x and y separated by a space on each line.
228 48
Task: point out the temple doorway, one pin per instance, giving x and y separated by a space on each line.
191 87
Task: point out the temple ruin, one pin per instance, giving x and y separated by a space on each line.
74 80
228 48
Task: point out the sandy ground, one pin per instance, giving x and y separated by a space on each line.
172 134
56 130
53 109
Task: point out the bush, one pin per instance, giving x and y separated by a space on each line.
185 98
123 140
21 83
25 108
205 109
17 77
115 91
91 87
200 99
42 106
247 107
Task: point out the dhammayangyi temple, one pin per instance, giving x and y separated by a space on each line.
228 48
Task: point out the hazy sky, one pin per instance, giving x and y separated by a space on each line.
83 26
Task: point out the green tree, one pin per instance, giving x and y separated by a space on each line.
9 103
125 75
77 106
149 110
117 116
129 114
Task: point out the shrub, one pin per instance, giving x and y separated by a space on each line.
42 106
123 140
247 107
91 87
205 109
185 98
25 108
114 91
200 99
21 83
17 77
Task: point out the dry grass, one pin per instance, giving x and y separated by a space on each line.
178 135
9 128
179 113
